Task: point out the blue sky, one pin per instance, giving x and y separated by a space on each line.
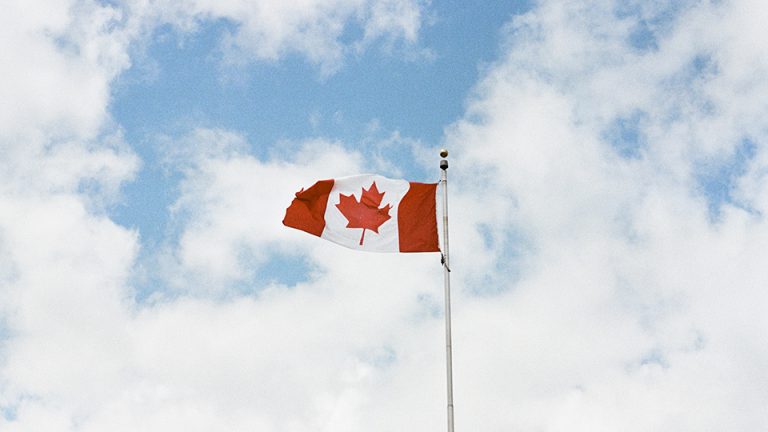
608 215
414 90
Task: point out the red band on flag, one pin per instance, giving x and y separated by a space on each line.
417 219
307 211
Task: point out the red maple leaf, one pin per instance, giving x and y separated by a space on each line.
365 214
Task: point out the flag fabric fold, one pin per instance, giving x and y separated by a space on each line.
368 212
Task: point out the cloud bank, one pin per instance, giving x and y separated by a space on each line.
623 170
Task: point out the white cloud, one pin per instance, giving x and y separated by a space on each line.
232 203
61 165
59 59
636 309
77 352
322 31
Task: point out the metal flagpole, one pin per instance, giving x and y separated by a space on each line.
447 277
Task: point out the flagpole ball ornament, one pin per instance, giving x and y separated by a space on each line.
443 162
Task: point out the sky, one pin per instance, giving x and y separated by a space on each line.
608 199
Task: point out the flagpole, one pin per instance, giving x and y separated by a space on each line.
447 278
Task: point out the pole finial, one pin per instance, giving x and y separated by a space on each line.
443 162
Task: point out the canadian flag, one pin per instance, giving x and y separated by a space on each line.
368 212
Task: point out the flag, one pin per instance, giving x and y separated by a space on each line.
368 212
